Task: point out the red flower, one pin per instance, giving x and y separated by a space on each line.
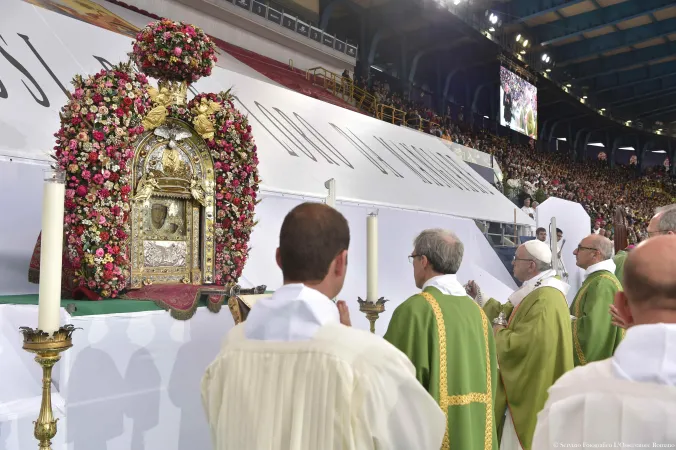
93 157
81 191
127 101
104 235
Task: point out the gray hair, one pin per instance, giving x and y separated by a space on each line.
442 248
604 246
667 220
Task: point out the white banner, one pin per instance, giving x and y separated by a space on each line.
302 142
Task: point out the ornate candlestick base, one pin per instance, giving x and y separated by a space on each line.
372 310
47 351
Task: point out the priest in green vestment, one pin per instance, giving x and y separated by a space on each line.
594 335
450 342
533 341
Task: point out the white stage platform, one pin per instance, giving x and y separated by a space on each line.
130 382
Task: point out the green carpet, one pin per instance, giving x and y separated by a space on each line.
87 307
92 308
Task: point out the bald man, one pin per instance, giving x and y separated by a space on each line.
595 337
630 397
662 223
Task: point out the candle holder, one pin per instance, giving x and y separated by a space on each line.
47 351
372 310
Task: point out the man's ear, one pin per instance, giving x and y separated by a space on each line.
340 267
278 257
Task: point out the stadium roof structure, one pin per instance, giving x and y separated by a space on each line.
617 55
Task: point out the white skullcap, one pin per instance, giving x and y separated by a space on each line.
539 250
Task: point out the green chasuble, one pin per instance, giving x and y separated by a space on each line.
493 308
533 352
594 335
619 259
450 343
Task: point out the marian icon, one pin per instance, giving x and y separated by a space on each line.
172 218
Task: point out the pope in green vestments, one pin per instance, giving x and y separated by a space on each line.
449 340
534 347
594 335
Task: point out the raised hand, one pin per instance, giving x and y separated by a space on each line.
472 289
344 313
618 320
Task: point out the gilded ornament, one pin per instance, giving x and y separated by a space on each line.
203 124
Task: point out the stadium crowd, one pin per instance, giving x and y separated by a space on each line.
529 172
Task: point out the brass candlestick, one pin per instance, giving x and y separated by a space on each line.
48 352
372 310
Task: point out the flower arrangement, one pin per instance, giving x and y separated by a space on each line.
99 125
236 174
602 156
174 51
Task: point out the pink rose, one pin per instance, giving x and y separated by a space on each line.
99 253
86 174
98 178
98 135
106 174
102 220
177 51
81 191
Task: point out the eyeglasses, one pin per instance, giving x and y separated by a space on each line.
412 257
580 248
522 259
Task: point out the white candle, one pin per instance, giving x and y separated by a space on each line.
51 250
372 258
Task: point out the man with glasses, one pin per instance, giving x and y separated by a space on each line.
594 335
663 222
534 344
449 340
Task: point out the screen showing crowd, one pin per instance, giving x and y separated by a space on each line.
518 104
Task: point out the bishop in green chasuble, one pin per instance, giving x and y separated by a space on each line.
534 347
594 335
449 340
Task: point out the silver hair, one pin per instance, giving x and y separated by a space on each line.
442 248
604 246
667 220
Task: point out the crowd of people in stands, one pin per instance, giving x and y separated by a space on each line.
529 172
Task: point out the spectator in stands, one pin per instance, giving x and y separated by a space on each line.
527 208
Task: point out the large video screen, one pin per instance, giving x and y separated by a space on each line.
518 104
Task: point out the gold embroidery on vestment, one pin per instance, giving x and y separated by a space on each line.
446 400
578 307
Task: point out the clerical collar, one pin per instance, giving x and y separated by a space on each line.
646 354
607 265
447 285
544 279
295 312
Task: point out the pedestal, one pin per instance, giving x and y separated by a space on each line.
48 352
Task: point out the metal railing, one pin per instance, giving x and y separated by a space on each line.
390 114
343 88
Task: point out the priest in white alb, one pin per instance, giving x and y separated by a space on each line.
629 398
293 377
